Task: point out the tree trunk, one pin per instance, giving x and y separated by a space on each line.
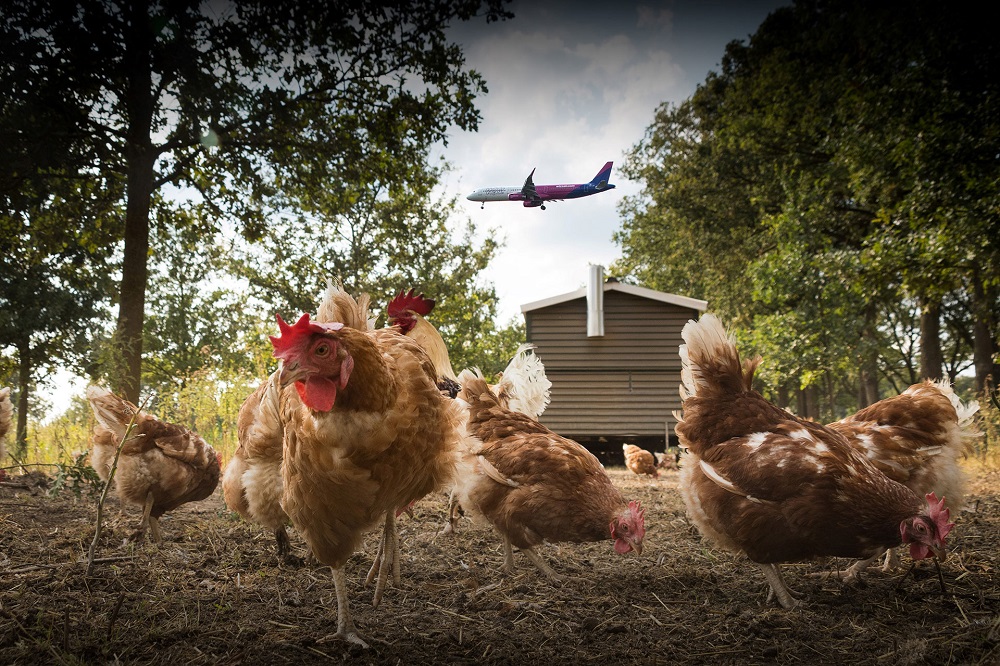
140 157
931 358
983 344
812 402
783 395
868 393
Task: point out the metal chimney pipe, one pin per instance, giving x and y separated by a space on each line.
595 302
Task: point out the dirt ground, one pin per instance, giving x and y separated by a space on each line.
216 593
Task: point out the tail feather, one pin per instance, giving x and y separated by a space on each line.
112 412
524 384
965 411
338 305
710 362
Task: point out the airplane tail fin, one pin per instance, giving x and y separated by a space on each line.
600 181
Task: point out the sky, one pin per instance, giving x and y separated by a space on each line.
573 85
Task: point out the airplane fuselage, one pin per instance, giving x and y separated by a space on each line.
536 195
545 192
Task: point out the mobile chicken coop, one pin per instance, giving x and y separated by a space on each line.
611 352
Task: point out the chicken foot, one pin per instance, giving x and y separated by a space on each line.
284 546
779 589
850 574
542 565
386 558
345 622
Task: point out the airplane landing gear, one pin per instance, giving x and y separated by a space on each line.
483 206
543 207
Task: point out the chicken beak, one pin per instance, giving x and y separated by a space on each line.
288 374
636 546
940 552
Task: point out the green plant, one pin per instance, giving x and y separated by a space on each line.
77 478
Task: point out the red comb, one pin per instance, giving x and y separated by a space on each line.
292 335
409 301
939 513
641 513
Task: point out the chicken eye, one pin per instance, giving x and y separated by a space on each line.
623 527
322 349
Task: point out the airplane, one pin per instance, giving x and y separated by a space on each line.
536 195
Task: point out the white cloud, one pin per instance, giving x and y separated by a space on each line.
572 86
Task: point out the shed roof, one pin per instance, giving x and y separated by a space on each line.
642 292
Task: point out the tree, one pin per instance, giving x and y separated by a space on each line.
842 162
239 99
390 239
55 280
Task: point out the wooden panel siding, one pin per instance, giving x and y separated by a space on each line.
623 384
613 403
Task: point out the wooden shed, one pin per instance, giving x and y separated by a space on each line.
610 351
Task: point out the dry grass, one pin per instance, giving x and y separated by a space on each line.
216 593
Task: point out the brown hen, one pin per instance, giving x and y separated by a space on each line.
162 465
533 485
365 432
760 481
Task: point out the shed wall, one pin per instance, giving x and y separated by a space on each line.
624 384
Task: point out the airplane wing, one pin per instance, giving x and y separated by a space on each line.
528 190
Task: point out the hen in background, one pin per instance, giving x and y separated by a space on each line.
407 311
917 439
366 432
161 466
6 412
532 485
252 484
666 459
760 481
640 461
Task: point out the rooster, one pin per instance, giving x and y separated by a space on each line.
915 438
252 484
640 461
407 311
161 465
533 485
366 432
760 481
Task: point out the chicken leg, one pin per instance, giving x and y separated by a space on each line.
345 623
386 558
778 588
147 508
154 530
451 527
508 557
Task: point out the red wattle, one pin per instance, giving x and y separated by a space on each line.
318 393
